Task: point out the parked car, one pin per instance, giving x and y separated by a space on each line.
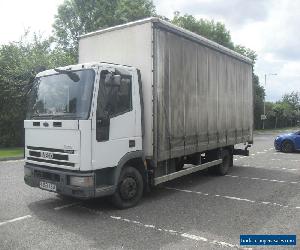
288 142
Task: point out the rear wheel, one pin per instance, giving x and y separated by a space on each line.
130 188
287 147
222 169
179 164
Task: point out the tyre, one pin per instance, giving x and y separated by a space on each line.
222 169
179 164
287 147
230 160
130 188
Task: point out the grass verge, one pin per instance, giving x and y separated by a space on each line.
11 152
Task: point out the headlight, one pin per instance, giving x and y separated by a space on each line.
82 181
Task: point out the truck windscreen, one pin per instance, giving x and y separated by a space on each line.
66 95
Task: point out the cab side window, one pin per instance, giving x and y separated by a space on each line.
120 100
114 99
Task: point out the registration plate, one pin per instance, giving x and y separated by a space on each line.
47 186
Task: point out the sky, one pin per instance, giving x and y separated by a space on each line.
270 27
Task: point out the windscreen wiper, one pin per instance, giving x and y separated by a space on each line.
72 75
41 116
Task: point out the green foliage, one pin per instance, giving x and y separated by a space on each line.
293 99
210 29
285 112
259 97
129 10
19 62
246 52
77 17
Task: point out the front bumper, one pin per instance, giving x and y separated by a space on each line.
34 174
277 145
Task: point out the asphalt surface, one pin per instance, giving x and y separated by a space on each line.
260 195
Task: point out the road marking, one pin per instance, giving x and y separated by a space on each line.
235 198
67 205
263 167
15 219
170 231
261 179
279 159
178 233
286 169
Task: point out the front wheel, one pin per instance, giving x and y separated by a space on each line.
287 147
130 188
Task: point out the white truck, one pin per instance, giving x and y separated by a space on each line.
147 103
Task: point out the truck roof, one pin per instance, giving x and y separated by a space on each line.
178 30
80 66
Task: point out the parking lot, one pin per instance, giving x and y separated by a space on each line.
260 195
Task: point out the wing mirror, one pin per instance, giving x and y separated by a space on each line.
112 80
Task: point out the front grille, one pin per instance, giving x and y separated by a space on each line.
277 145
52 150
55 156
50 155
51 161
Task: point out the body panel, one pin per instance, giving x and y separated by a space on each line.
204 97
58 141
129 46
294 138
86 145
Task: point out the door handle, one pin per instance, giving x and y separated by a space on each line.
131 143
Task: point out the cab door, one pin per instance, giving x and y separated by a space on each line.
117 124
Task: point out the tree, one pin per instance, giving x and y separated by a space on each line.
286 111
259 97
77 17
278 109
19 62
246 52
292 104
292 99
210 29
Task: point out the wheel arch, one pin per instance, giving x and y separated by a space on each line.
287 140
134 159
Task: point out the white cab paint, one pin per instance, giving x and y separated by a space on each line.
123 128
80 135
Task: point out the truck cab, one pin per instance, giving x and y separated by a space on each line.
83 126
